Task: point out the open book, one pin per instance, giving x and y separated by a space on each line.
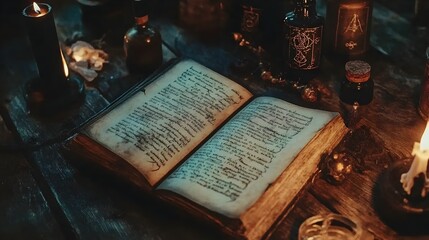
201 141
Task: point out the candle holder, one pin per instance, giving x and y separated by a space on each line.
54 89
47 103
406 213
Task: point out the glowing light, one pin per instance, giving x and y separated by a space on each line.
36 8
424 142
66 69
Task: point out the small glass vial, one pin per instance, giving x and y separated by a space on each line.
142 43
424 95
357 87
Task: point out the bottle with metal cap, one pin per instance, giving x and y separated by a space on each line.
357 86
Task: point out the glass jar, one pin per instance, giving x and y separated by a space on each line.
331 226
357 86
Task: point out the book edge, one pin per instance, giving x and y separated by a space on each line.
256 220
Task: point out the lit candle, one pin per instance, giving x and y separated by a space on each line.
42 34
37 11
419 164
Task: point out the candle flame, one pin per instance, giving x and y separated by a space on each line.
36 8
66 69
424 142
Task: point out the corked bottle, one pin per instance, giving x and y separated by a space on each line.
357 87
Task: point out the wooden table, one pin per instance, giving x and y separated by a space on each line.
44 196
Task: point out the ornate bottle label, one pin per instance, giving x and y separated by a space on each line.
251 19
352 28
305 47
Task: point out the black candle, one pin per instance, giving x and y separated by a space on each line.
46 49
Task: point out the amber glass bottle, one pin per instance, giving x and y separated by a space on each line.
303 30
142 43
348 24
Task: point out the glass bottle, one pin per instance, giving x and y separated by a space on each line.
250 24
356 91
207 18
142 43
357 86
348 24
303 30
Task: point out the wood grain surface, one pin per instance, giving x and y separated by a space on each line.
44 196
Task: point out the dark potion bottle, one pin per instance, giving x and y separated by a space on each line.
251 19
348 25
142 43
303 30
357 86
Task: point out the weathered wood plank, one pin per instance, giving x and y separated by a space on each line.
307 206
96 207
355 196
91 209
93 205
25 213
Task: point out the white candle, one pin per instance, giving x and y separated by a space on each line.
419 164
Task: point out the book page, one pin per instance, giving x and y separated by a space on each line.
158 126
233 169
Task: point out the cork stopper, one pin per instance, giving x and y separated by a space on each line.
141 8
358 71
